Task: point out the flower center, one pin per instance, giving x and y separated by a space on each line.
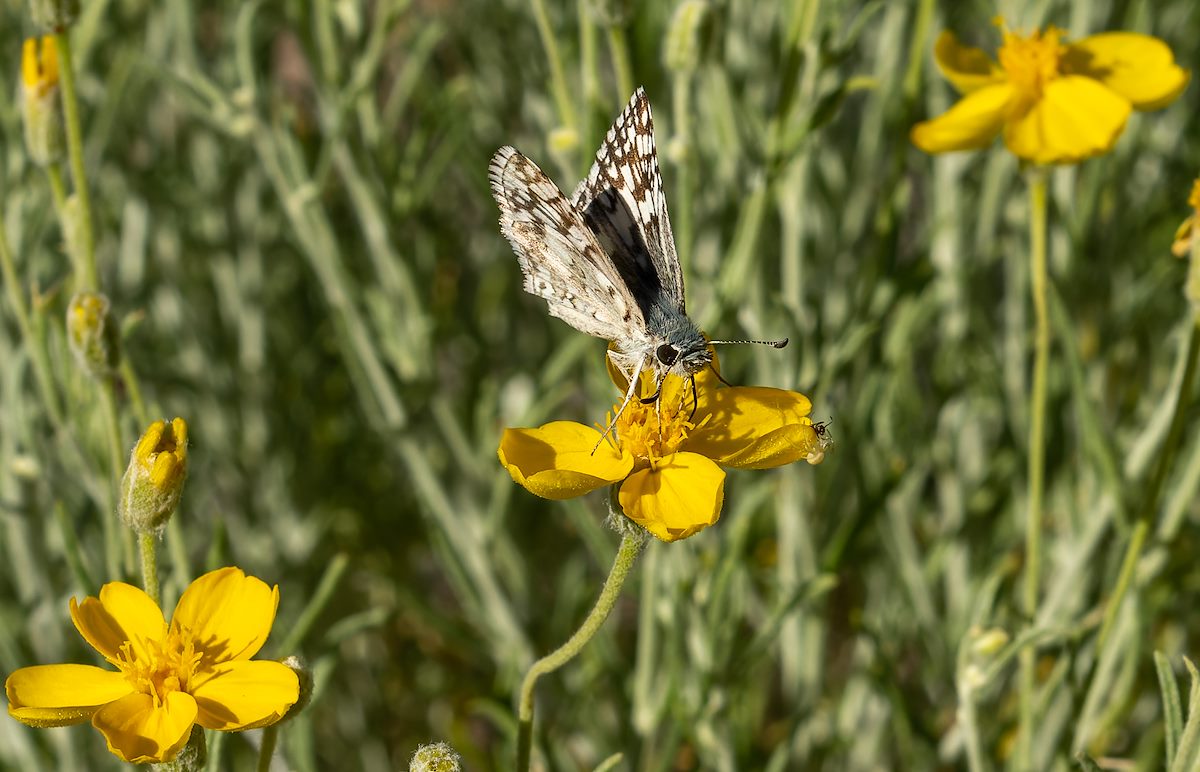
653 431
160 667
1030 62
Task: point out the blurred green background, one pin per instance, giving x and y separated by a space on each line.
294 225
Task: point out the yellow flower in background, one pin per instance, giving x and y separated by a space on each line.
197 670
1056 102
1183 236
41 108
39 66
668 459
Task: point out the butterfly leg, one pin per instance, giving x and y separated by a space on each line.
633 384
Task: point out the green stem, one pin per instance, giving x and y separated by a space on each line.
627 552
1145 517
558 78
37 353
134 386
116 542
1037 453
149 548
618 49
266 751
89 279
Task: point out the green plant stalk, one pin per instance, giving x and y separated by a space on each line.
627 552
37 354
1166 456
89 278
618 49
117 544
148 543
558 78
266 751
1037 453
58 189
133 384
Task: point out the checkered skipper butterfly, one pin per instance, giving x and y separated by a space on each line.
605 259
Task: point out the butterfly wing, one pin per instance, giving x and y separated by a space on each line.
622 200
559 255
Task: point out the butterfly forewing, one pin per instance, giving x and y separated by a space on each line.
623 202
558 253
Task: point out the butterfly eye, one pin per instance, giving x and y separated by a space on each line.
667 354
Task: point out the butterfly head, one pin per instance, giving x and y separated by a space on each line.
686 357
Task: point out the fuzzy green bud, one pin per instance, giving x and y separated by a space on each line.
304 675
436 757
681 49
53 15
563 140
154 479
193 757
41 107
92 334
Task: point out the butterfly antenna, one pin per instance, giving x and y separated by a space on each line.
771 343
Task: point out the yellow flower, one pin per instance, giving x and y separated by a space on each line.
668 460
1183 235
1056 102
197 670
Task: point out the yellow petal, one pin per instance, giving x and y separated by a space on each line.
679 498
121 613
556 460
1182 245
228 613
59 695
239 695
970 124
140 732
968 68
1140 68
1076 118
744 423
785 445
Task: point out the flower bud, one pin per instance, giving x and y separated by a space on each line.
154 480
563 140
92 334
53 15
193 757
436 757
41 108
681 49
304 675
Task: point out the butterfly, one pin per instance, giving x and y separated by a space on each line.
604 259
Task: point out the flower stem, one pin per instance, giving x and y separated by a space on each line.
558 78
1145 517
89 279
267 750
149 548
618 48
627 552
1037 453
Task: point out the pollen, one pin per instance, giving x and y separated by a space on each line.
1031 62
652 432
159 667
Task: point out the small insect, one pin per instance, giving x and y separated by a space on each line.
605 260
821 428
